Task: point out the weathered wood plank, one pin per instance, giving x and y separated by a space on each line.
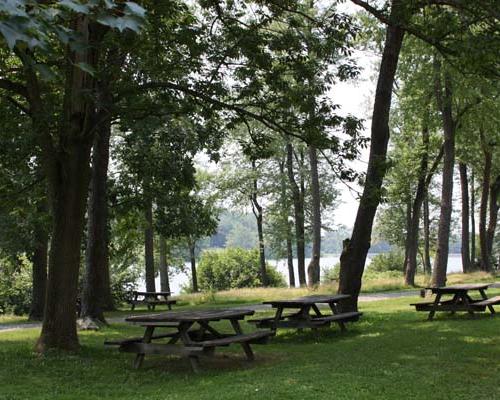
194 316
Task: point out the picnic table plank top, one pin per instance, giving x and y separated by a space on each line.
308 300
152 293
459 288
190 316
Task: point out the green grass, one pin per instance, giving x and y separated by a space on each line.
392 353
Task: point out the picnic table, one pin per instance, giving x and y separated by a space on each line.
151 299
303 317
193 342
461 300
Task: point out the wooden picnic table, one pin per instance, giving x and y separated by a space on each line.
193 342
151 299
303 317
461 300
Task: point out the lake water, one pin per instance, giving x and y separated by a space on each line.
182 279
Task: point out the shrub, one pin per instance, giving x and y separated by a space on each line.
15 288
330 275
233 268
123 282
391 261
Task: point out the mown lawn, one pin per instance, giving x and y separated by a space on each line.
392 353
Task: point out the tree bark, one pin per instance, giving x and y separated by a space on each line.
149 260
163 267
352 260
494 206
96 293
192 256
483 209
427 234
473 220
445 105
313 269
258 213
465 250
67 164
298 208
286 205
413 231
39 276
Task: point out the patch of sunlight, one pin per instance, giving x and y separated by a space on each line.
372 334
475 339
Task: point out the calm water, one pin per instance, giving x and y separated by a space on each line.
182 279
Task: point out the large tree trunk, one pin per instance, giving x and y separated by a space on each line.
39 276
473 220
298 208
483 209
67 164
192 256
352 260
163 266
494 206
465 250
313 269
445 105
149 260
96 293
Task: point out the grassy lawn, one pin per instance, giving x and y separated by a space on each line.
392 353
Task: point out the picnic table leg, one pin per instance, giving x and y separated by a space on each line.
465 299
277 318
246 347
455 301
335 310
435 306
186 340
483 295
139 358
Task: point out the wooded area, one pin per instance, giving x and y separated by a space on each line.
129 128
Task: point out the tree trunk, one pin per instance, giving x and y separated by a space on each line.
192 256
427 234
39 277
494 206
313 269
149 260
473 220
298 207
445 105
465 250
413 231
67 164
163 267
352 260
258 212
286 205
96 293
483 210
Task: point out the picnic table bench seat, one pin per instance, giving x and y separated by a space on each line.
342 317
258 337
137 339
488 302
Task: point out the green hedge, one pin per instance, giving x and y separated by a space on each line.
233 268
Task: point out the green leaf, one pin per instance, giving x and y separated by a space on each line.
135 9
45 72
75 6
86 68
12 34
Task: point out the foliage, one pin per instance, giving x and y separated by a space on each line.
391 261
233 268
15 287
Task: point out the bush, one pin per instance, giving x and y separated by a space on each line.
233 268
391 261
330 275
123 282
15 288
